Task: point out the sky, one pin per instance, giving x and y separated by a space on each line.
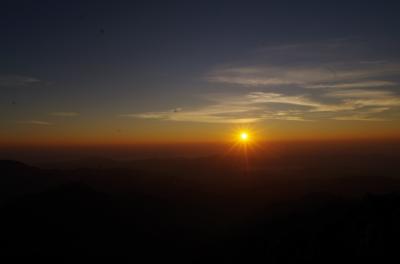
116 72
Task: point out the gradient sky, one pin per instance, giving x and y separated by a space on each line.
166 71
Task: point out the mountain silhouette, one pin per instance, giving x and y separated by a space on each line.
183 205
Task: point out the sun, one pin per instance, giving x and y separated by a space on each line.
245 142
244 136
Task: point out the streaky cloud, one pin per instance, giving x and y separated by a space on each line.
316 76
17 80
364 84
359 118
65 114
299 82
258 106
35 122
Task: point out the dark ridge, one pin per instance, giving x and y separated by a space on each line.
13 165
19 179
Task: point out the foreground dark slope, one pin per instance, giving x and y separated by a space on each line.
193 207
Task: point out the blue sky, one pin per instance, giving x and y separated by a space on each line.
206 62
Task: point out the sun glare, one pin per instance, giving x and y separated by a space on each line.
244 142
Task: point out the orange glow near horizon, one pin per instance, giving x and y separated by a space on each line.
122 134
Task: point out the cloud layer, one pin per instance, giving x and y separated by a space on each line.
307 82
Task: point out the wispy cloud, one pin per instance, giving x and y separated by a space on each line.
359 93
359 118
65 114
299 82
256 106
248 108
364 114
338 63
213 113
363 84
311 105
268 97
322 76
17 80
35 122
367 98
